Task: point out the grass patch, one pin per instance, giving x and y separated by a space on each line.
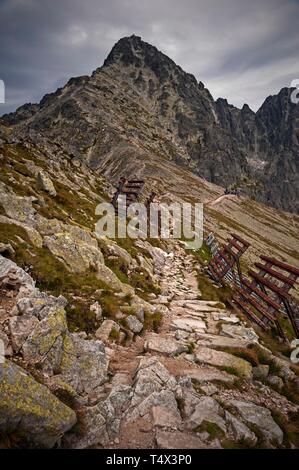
210 292
203 254
152 321
114 335
140 279
191 347
230 370
79 316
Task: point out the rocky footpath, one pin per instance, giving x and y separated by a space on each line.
187 390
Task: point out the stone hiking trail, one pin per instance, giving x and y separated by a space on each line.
180 394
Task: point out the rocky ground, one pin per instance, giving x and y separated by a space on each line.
202 380
123 343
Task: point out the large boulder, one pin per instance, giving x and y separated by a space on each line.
30 409
80 252
17 207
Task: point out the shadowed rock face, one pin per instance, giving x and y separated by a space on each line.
140 106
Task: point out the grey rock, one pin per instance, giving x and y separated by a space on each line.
260 372
234 331
97 309
166 346
45 344
20 328
239 430
84 364
207 409
134 324
222 359
164 418
260 417
12 275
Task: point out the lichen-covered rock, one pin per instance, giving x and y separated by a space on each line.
83 364
45 183
100 422
39 304
44 346
79 253
17 207
30 409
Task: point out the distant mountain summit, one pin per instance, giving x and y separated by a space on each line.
140 106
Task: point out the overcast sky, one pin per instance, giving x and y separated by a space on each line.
243 50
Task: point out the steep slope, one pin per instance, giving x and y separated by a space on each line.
141 105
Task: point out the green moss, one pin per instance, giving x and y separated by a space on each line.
10 232
110 304
241 444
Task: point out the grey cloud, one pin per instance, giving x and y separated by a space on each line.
241 50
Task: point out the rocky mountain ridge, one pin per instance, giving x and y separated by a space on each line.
141 101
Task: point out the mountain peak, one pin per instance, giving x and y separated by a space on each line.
125 50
